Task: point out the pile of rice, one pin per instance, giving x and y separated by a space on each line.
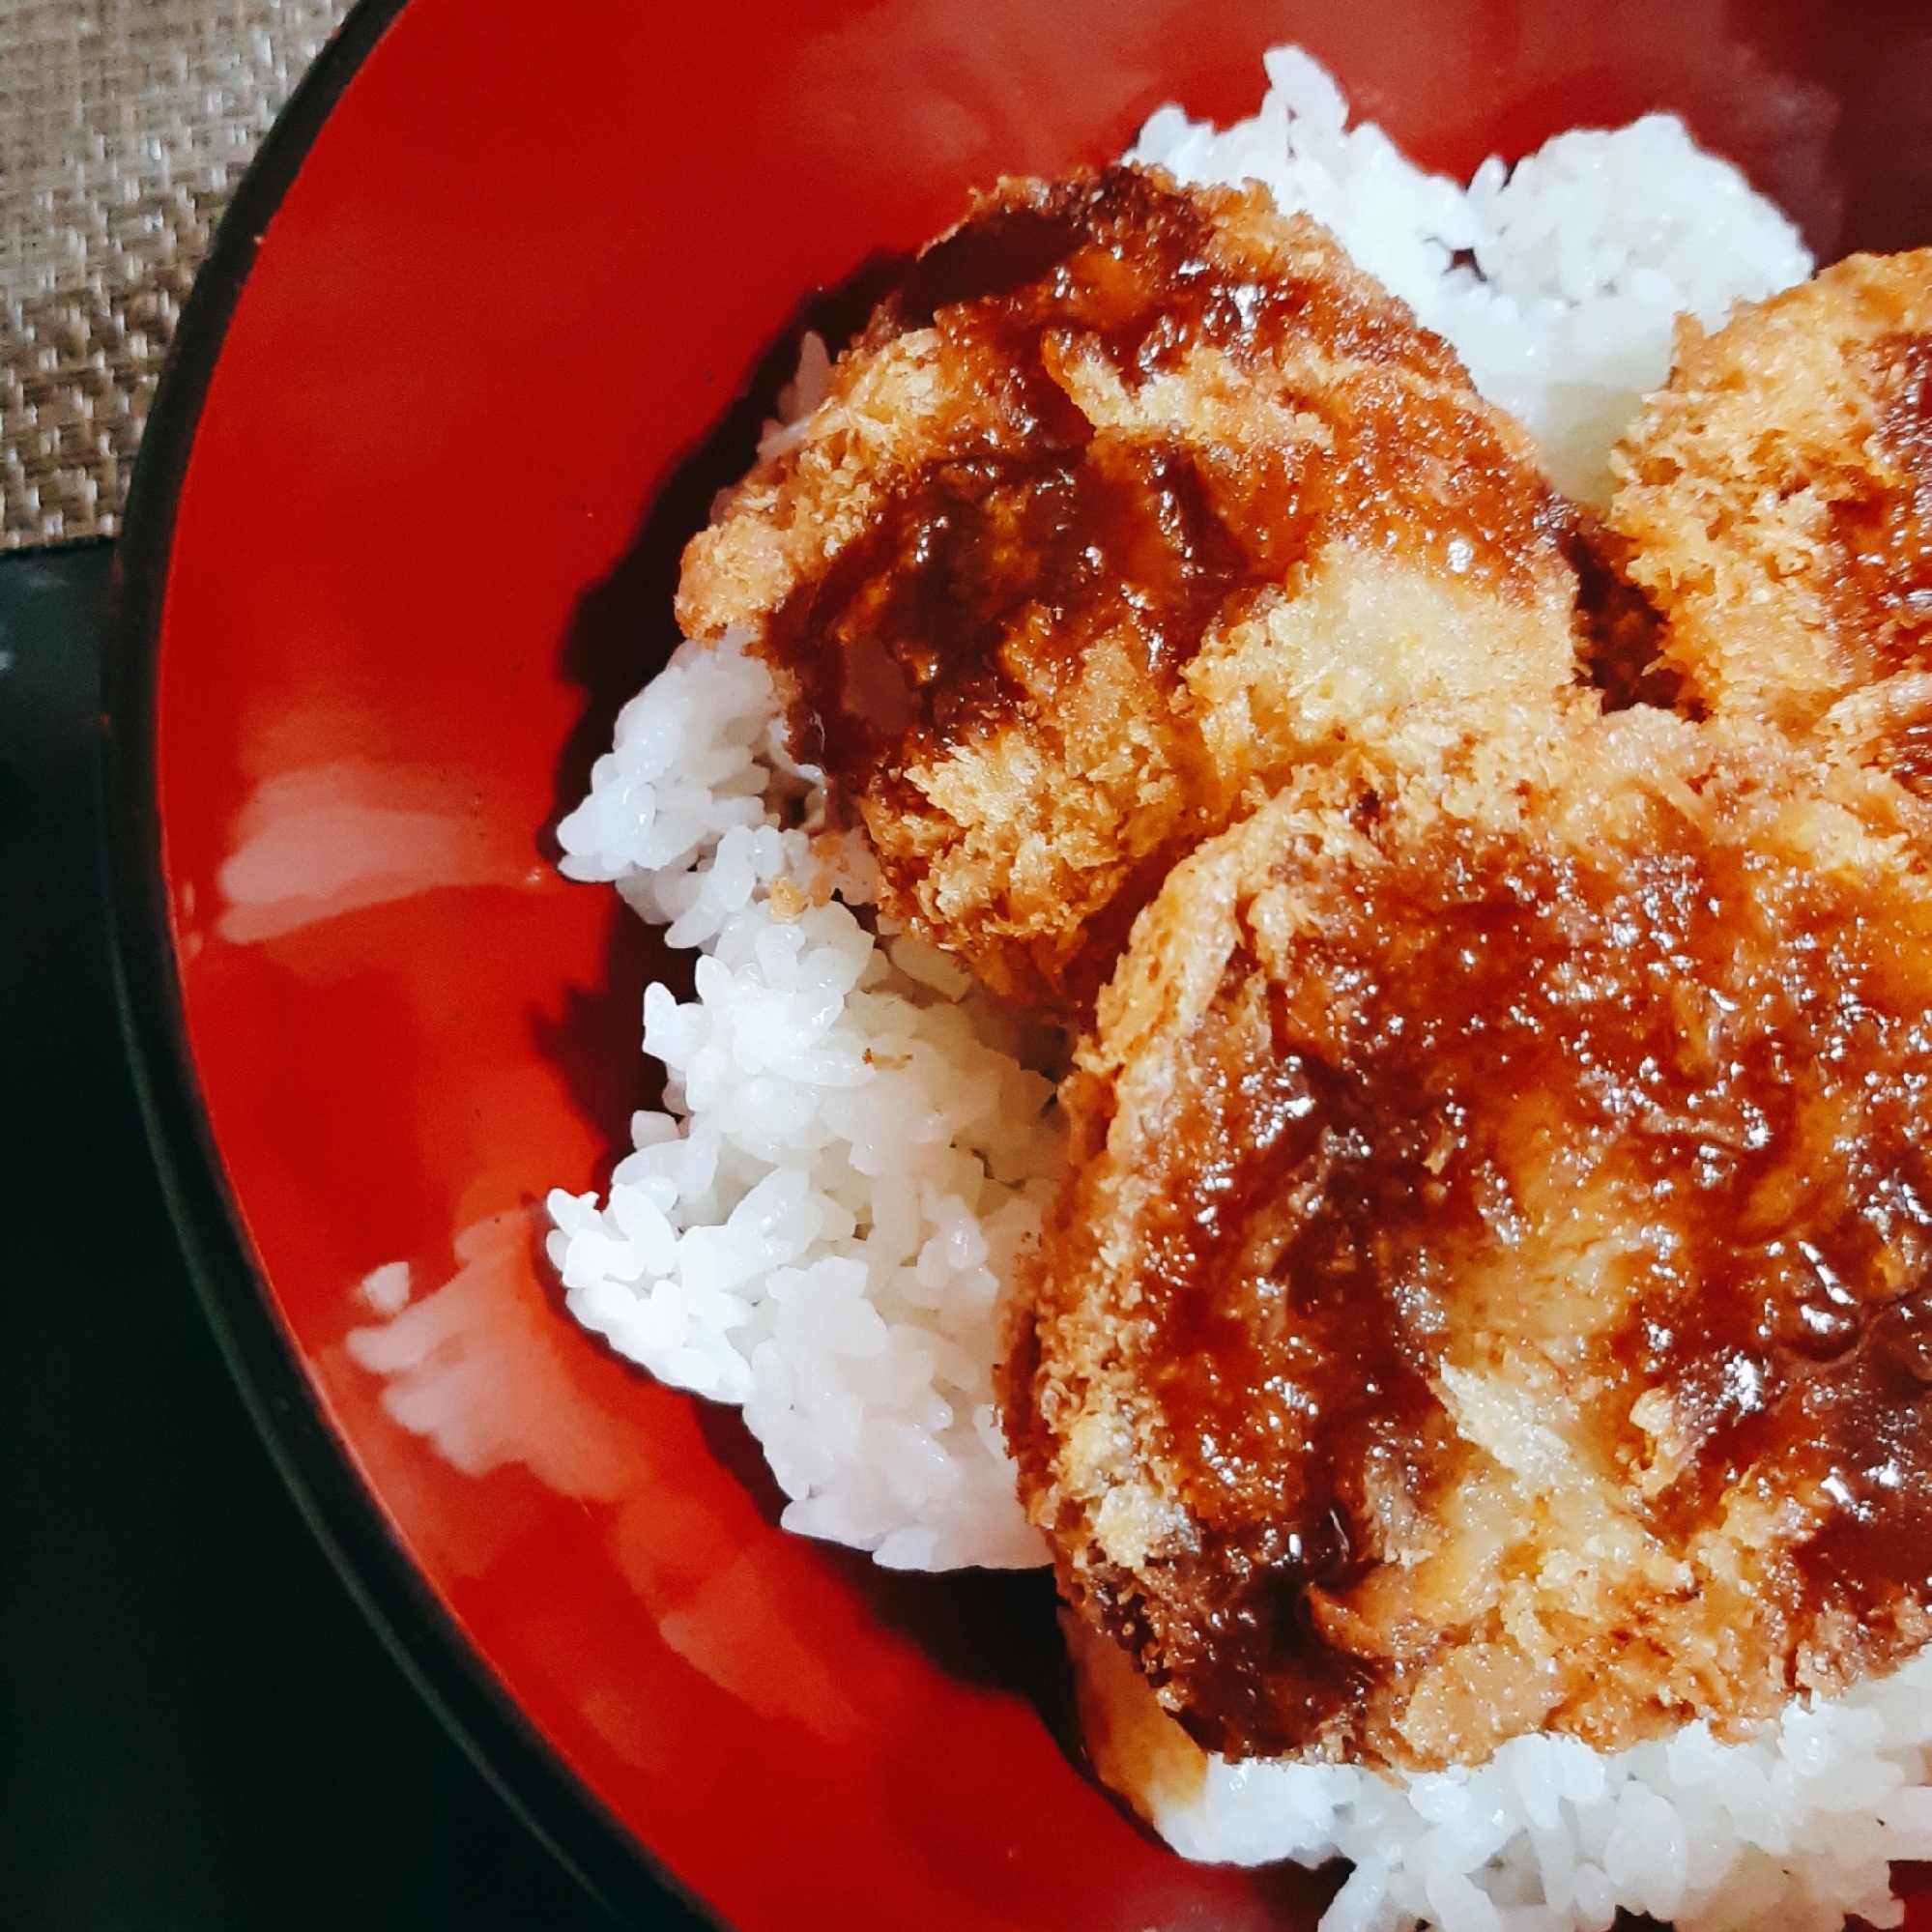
856 1143
820 1229
1795 1830
1558 280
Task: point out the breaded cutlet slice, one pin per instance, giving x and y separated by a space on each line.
1774 500
1493 1287
1132 500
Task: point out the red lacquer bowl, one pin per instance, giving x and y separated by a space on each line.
458 381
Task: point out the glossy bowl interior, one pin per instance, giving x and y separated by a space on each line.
463 376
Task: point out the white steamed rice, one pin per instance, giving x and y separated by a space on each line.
1795 1830
1577 261
854 1148
819 1228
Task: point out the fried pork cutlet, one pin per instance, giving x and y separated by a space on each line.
1494 1289
1775 503
1134 499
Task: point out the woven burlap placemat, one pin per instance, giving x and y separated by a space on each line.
125 125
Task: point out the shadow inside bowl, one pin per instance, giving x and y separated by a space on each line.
624 629
997 1630
620 635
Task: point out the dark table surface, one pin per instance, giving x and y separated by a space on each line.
197 1727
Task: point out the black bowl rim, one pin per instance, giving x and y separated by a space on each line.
420 1632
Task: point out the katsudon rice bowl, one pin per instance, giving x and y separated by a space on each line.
856 1215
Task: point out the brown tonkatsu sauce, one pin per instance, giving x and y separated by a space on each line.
982 584
1276 1367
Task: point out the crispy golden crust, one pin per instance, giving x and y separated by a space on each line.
1775 498
1487 1291
1134 499
1489 1294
